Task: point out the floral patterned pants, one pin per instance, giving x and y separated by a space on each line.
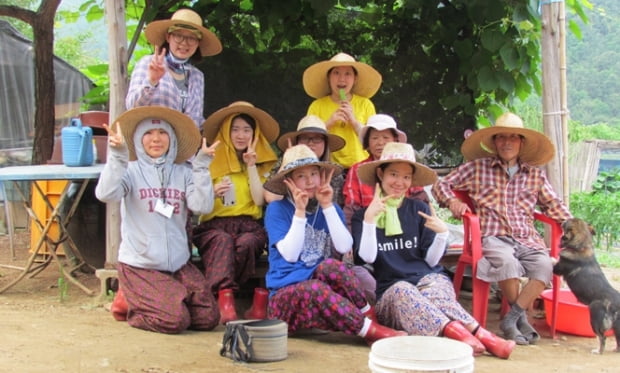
423 309
330 300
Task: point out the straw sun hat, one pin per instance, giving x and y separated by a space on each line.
295 157
268 126
536 148
381 122
156 31
185 130
316 82
311 124
397 152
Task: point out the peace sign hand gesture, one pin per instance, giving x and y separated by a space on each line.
433 222
376 206
209 150
157 67
249 157
300 197
115 138
325 192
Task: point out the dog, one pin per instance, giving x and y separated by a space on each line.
583 274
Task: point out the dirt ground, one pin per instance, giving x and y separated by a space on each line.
41 333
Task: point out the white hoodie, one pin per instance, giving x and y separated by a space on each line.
149 239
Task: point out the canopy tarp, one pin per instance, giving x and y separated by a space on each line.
17 105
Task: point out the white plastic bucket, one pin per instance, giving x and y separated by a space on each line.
413 354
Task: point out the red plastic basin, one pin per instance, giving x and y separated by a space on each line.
573 316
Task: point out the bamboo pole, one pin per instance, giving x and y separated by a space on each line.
554 93
564 103
117 41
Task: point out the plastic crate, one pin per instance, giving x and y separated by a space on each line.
53 190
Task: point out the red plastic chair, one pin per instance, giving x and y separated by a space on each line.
472 253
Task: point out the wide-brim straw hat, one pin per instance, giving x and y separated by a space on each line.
311 124
397 152
156 31
316 82
185 130
381 122
536 148
295 157
269 127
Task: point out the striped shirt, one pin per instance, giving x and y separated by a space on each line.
504 204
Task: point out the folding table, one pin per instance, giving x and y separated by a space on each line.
61 213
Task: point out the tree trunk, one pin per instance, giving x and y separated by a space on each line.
44 81
42 22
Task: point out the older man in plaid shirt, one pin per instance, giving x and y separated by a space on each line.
505 186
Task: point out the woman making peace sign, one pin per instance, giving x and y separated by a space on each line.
309 289
404 240
160 289
168 77
231 237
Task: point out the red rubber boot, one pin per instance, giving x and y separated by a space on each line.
377 331
259 305
458 331
119 306
499 347
371 314
226 304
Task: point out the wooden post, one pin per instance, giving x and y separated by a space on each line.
117 57
555 111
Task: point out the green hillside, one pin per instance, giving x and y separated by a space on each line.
594 67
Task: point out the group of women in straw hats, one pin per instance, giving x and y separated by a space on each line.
352 242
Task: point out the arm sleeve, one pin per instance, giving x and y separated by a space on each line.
368 243
140 90
256 186
456 179
199 191
551 204
341 237
291 245
436 250
112 186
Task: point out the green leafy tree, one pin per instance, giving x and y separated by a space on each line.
42 22
447 65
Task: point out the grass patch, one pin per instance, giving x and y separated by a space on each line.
609 259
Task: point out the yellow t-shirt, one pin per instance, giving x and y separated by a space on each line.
352 152
243 202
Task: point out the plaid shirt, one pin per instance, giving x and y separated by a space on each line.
505 205
355 192
167 93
